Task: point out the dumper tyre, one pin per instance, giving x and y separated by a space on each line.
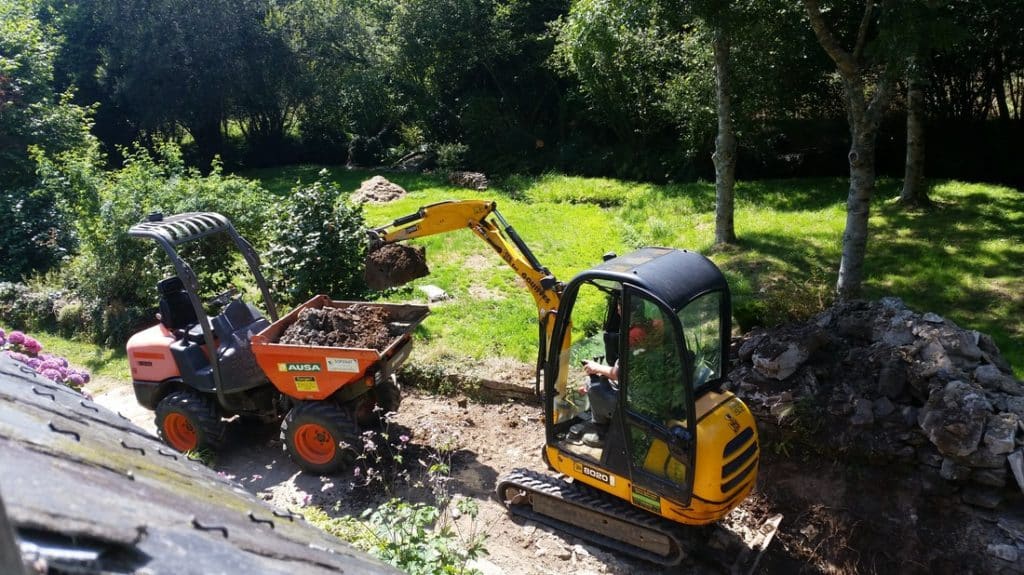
188 421
321 436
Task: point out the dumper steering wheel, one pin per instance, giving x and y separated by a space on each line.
223 298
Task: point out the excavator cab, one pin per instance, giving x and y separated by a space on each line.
671 442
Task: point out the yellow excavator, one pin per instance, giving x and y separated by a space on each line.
658 445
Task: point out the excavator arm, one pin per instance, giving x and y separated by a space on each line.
484 220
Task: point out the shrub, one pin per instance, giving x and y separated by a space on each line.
116 274
320 245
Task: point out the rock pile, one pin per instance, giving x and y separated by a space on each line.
472 180
378 190
893 386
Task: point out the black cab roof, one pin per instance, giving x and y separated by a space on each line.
675 276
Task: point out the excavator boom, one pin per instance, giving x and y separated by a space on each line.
484 220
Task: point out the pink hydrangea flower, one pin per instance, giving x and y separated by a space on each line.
51 374
16 338
32 345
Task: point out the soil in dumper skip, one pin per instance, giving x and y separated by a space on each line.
358 326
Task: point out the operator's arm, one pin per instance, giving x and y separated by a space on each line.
594 368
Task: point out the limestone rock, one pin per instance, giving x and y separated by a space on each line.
953 471
991 377
782 365
954 418
1001 432
1004 552
863 415
892 379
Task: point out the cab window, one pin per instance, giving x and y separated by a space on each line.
701 321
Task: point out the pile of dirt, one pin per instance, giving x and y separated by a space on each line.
378 190
393 265
358 326
880 425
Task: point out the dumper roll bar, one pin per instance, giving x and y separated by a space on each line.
178 229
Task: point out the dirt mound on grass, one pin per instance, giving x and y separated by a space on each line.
378 190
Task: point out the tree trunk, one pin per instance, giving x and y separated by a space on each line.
858 204
725 144
915 192
864 115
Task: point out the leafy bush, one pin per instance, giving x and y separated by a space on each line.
113 274
319 246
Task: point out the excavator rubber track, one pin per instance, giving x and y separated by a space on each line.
589 514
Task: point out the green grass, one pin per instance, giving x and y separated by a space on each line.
962 259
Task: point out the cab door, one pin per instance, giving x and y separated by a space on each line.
657 406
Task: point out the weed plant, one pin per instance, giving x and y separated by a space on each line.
418 537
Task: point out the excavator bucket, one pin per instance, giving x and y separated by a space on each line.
392 265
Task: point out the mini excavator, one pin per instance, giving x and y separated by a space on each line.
656 449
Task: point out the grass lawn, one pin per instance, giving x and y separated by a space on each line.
962 259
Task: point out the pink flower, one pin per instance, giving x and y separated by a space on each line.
76 380
18 356
32 345
51 374
16 337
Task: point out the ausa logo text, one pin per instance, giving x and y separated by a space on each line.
298 367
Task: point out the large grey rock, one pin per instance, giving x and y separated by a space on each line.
984 498
781 365
954 418
953 471
896 332
1016 461
1000 432
1003 551
883 407
991 377
990 477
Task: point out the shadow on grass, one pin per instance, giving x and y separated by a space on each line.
963 257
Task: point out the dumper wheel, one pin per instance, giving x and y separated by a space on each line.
188 421
320 436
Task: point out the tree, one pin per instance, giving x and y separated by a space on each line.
867 87
33 233
925 30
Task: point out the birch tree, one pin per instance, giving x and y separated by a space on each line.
867 88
